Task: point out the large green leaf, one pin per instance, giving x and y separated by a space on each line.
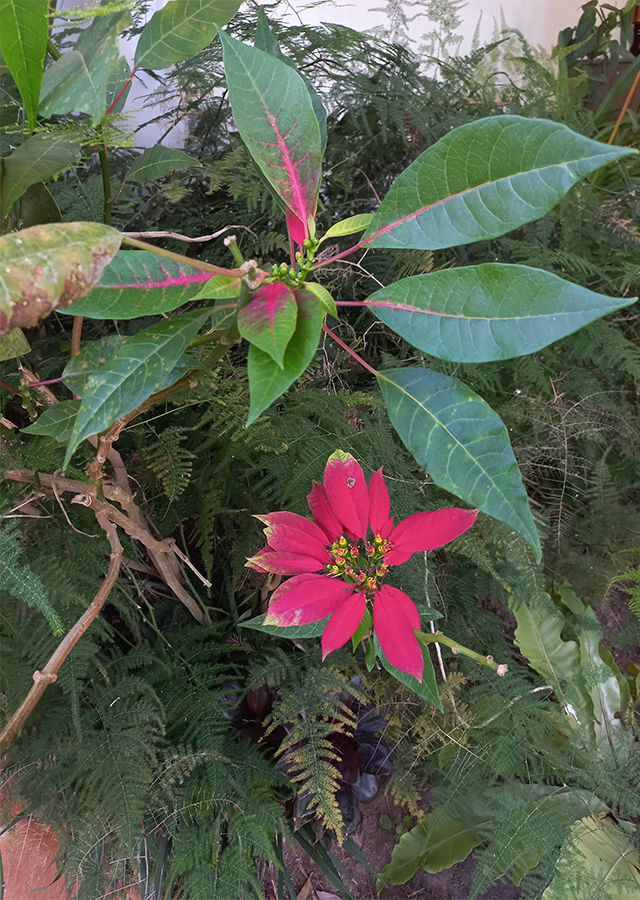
39 158
137 369
180 30
140 283
24 30
487 312
461 442
273 112
482 180
267 381
80 79
50 266
158 161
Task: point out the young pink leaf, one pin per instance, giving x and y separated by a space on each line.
269 319
274 115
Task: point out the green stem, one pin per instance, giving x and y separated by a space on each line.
232 244
106 178
438 638
52 50
226 340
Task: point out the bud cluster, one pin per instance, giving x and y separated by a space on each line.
347 561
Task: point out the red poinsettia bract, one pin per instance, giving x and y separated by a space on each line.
338 570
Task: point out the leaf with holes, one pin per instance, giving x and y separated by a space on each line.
158 161
488 312
482 180
24 31
138 368
274 115
180 30
39 158
267 381
49 267
268 321
461 442
140 283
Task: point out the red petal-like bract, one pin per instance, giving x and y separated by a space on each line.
281 562
346 489
394 619
291 533
379 505
426 531
323 513
343 623
307 598
298 231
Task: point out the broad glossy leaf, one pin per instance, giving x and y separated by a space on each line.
267 381
39 158
14 344
487 312
352 225
427 688
292 632
267 41
268 321
325 299
180 30
274 115
220 287
56 422
158 161
49 267
482 180
140 283
138 368
24 30
461 442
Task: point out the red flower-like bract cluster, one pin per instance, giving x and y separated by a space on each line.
336 544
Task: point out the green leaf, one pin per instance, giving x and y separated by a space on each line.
352 225
487 312
35 207
267 41
140 283
267 381
461 442
39 158
158 161
220 287
427 688
291 632
268 321
90 358
56 422
482 180
24 31
274 115
50 266
364 628
137 369
14 344
325 299
180 30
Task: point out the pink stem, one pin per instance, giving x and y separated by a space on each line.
349 350
38 383
9 388
122 90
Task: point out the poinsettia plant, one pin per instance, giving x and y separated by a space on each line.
480 181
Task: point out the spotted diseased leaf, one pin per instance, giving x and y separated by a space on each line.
487 312
267 380
274 114
482 180
50 266
140 366
140 283
268 321
461 442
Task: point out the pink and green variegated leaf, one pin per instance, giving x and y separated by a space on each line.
482 180
274 114
268 321
267 380
138 283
